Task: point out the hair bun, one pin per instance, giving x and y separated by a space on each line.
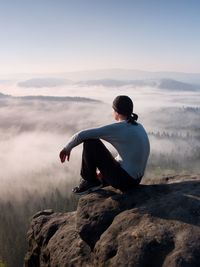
134 116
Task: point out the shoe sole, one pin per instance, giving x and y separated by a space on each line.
90 190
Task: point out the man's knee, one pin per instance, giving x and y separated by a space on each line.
91 143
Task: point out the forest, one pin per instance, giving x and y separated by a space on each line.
15 218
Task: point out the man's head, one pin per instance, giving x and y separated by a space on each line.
123 106
123 109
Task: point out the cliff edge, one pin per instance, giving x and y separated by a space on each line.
156 224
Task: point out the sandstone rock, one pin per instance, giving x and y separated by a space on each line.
153 225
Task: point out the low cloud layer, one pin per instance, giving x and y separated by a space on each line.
33 131
32 134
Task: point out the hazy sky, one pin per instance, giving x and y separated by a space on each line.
69 35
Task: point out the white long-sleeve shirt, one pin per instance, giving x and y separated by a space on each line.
130 141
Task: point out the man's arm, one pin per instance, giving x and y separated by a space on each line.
104 132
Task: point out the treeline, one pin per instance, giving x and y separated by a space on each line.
191 109
15 219
172 135
180 154
166 163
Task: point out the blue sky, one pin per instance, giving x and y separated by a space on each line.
42 36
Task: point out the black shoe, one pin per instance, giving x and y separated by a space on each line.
86 187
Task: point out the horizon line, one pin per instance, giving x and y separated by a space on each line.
95 70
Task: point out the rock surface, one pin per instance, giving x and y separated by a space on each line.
154 225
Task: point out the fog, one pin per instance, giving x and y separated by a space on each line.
33 131
32 134
37 122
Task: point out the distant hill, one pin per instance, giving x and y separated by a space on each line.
59 98
3 95
124 74
43 82
167 84
177 85
51 98
117 83
113 74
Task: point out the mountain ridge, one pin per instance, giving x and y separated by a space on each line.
164 83
113 73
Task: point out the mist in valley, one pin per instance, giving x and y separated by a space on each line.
36 123
35 129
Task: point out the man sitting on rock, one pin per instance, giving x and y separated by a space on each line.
130 140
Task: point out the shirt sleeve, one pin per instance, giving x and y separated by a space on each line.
105 132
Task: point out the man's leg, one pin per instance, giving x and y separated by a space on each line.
96 155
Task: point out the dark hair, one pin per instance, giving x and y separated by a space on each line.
123 105
133 118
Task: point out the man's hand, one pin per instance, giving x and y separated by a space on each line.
63 155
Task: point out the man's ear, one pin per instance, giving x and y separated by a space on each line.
115 115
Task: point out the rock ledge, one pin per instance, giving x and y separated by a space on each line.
157 224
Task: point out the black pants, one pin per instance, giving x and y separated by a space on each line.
96 155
